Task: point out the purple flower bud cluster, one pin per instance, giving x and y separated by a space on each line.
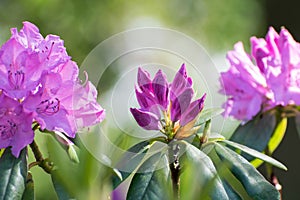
164 106
39 83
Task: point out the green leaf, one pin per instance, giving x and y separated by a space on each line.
1 152
208 114
205 173
256 133
274 141
232 194
29 188
256 154
13 173
257 187
152 183
129 162
60 190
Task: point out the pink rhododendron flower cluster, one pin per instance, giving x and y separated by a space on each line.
39 83
167 107
270 76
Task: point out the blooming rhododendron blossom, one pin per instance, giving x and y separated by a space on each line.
40 82
266 78
167 107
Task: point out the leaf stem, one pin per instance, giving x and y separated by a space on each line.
45 164
175 170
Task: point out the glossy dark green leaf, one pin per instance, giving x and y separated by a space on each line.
151 181
256 133
29 188
231 193
208 114
256 154
257 187
129 162
205 173
13 174
275 140
60 190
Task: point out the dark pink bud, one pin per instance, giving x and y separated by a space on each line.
145 119
192 111
181 103
160 89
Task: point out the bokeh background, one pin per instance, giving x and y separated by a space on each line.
216 25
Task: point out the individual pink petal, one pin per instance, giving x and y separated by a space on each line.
180 83
15 125
160 89
192 111
181 103
145 119
143 80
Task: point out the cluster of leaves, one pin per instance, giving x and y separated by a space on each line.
216 165
218 168
17 181
266 130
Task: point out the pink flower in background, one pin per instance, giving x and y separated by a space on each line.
266 78
37 74
15 125
167 107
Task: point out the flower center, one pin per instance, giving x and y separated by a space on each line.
16 79
49 106
8 130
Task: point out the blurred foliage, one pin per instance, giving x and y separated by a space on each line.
83 24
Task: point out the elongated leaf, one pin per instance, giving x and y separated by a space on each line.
129 162
232 194
1 152
257 187
208 114
274 141
256 154
29 188
152 184
60 190
13 173
256 133
205 173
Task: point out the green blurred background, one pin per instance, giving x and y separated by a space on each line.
217 25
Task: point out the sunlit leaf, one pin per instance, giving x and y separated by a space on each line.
129 162
151 181
274 141
254 183
256 154
1 152
205 174
208 114
13 174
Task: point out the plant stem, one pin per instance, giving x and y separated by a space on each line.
175 170
45 164
206 132
271 175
